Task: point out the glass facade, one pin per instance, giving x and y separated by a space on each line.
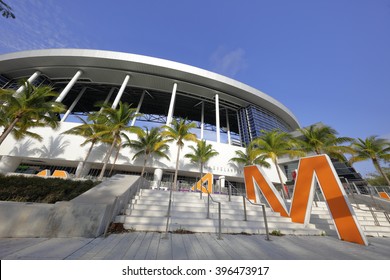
253 119
3 81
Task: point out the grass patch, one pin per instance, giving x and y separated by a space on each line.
276 233
118 228
182 231
41 190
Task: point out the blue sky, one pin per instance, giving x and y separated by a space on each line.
326 60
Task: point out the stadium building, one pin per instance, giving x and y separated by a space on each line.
228 113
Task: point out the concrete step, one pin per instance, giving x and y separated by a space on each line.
224 229
372 223
377 228
201 219
198 208
176 194
203 214
377 234
193 203
147 212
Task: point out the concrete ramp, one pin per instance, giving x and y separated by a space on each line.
107 191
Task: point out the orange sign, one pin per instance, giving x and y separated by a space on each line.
311 170
384 195
207 178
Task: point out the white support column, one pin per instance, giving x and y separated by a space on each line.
68 87
30 80
81 172
239 127
120 92
202 122
9 164
138 107
228 127
172 104
73 104
107 98
217 123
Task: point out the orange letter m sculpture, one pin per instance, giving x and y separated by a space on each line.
311 169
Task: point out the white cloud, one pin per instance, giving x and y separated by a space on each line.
386 136
228 63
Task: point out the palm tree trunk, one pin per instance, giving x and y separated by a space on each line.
177 166
201 182
280 176
380 170
85 159
106 160
116 158
143 167
176 171
8 130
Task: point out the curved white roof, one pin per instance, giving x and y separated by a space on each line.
109 67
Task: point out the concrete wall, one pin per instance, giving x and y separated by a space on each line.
62 149
63 219
86 216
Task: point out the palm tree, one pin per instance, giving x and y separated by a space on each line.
179 132
251 156
90 131
201 155
373 148
116 122
6 10
323 140
33 107
273 144
148 142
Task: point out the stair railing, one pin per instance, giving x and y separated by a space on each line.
244 199
210 198
374 215
169 210
230 187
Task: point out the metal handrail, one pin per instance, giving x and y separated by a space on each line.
219 213
230 189
169 211
244 198
372 211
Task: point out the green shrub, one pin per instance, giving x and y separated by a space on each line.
41 190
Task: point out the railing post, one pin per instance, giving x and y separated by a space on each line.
208 206
168 215
219 221
243 199
376 222
230 192
265 222
356 188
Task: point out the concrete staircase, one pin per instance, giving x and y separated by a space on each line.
321 218
147 212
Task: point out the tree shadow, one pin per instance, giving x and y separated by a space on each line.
55 147
98 153
24 149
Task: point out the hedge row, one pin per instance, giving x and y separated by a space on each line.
41 190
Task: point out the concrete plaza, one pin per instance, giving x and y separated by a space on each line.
199 246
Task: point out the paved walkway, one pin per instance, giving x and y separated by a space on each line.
151 245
